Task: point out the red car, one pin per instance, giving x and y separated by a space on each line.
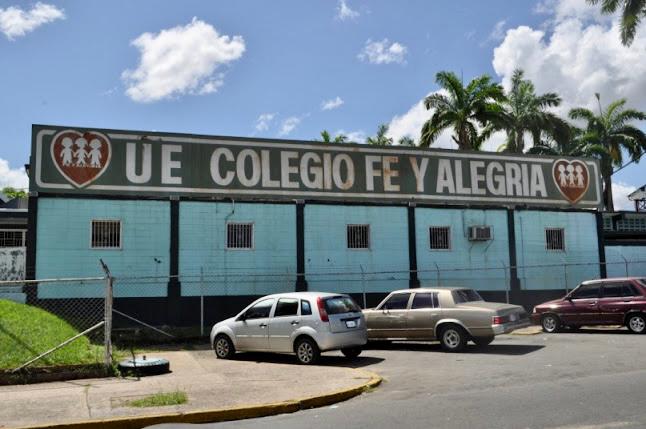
618 301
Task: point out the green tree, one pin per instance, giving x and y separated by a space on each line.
609 135
464 109
14 193
632 12
327 138
380 139
406 141
524 112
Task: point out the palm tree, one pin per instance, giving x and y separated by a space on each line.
380 139
327 138
525 112
633 12
609 135
406 141
465 109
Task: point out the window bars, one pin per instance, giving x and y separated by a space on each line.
358 236
240 235
12 237
106 234
440 237
554 239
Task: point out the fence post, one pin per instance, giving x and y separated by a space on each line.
107 316
363 286
625 263
202 301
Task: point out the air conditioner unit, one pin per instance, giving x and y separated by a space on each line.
479 233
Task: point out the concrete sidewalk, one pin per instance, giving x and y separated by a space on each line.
210 384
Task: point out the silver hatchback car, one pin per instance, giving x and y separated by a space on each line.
304 323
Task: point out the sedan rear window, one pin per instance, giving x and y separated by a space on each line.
341 304
642 281
466 295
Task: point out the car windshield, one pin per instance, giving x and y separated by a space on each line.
466 295
642 281
340 304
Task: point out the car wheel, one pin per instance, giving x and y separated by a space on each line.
550 323
453 338
307 352
483 341
223 347
351 352
636 323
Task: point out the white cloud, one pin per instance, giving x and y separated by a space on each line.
344 12
620 192
498 31
180 60
578 54
358 136
15 178
289 125
16 22
383 52
332 104
263 121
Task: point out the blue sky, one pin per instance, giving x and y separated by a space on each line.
267 68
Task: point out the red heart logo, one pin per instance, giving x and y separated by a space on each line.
81 157
572 178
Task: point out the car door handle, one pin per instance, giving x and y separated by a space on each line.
263 325
295 322
593 303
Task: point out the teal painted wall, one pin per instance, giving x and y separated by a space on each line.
331 266
474 264
63 246
626 261
269 267
534 261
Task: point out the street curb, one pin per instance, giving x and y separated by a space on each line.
221 414
532 332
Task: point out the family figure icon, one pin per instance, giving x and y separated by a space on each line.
571 176
85 155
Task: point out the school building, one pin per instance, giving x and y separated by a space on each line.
180 218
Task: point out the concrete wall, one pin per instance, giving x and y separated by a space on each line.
269 267
626 261
331 266
12 263
63 246
486 259
581 247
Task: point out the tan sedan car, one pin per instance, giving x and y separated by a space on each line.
451 315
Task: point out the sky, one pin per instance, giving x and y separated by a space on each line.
289 69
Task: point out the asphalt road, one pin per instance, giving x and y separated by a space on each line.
591 379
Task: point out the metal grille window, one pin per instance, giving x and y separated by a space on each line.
358 236
239 235
106 234
12 238
554 238
440 237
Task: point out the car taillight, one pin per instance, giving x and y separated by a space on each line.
321 305
497 320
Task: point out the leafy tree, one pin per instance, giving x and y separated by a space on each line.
14 193
327 138
633 11
407 141
609 135
524 112
380 139
465 109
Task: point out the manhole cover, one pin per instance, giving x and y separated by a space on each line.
144 366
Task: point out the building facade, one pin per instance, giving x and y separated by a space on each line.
183 219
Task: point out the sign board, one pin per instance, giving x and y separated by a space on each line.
79 161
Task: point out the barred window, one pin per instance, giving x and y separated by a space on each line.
106 234
358 236
239 235
12 238
554 238
440 237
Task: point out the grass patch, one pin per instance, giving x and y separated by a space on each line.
27 331
159 400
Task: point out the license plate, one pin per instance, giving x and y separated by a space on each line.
351 323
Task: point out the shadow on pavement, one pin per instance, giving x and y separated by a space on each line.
492 349
326 360
608 331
